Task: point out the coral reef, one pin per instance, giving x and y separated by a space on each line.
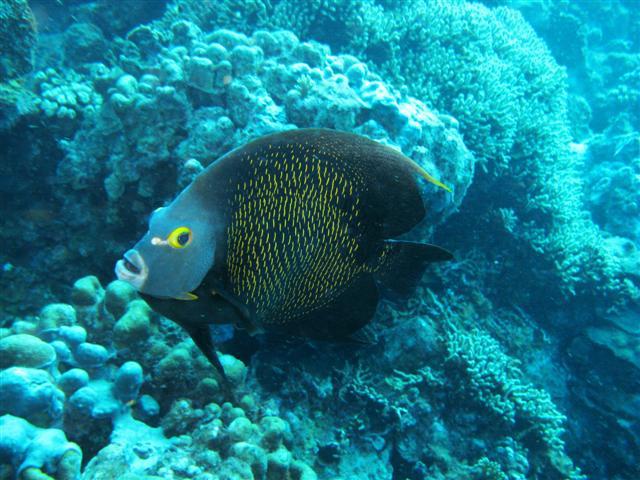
495 381
428 400
16 101
149 404
37 453
490 71
18 40
518 360
133 133
598 43
612 170
57 384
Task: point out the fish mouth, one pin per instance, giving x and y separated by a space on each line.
132 269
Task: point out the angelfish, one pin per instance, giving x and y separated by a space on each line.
291 233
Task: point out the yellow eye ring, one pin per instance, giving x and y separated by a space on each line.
180 237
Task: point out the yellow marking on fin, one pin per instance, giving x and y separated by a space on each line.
423 173
186 296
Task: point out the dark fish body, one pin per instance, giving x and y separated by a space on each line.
302 226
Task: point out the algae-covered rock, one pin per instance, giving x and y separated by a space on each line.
69 465
278 464
208 388
87 291
200 73
36 453
248 404
72 380
275 431
175 363
15 101
229 413
117 297
114 463
181 418
31 394
91 355
128 381
56 315
84 42
135 325
73 335
246 60
242 430
146 408
63 352
253 455
620 343
235 370
302 471
23 326
17 37
24 350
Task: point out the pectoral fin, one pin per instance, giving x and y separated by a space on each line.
186 296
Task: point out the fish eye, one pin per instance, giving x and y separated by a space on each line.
180 237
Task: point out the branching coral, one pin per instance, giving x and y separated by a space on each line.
498 79
65 96
490 71
495 381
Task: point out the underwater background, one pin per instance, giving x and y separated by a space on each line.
520 359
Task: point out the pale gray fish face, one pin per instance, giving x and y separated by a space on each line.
173 257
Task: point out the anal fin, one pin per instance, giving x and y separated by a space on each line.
343 316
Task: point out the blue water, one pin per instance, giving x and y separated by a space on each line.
519 359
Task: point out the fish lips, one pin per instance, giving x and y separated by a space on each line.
132 269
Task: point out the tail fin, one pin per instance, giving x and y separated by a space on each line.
403 263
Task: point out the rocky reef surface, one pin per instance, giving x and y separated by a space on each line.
519 360
98 377
106 378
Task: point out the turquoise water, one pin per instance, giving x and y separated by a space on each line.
518 359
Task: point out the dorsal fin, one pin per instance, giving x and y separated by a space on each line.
391 189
